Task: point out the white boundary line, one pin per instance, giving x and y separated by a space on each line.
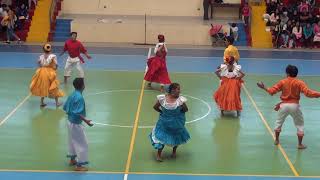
14 110
145 127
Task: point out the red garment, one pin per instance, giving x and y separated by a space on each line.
245 11
74 49
227 95
157 69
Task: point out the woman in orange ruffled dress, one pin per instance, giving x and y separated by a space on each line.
44 82
227 95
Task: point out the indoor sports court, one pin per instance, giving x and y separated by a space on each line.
33 140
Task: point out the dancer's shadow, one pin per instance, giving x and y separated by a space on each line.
48 137
226 138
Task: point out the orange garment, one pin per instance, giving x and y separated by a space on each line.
231 51
227 95
44 82
291 88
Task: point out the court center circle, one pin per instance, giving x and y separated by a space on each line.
137 90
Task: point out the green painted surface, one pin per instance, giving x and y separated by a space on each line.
35 139
305 161
219 145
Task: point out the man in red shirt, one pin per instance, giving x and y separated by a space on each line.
74 48
290 88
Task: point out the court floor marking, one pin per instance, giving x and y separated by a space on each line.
152 173
150 126
14 110
283 152
135 127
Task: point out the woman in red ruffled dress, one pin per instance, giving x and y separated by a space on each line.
227 95
157 67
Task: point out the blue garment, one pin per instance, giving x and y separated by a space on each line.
170 129
74 107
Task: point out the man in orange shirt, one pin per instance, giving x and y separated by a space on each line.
291 87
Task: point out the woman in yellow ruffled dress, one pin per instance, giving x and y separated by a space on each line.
44 82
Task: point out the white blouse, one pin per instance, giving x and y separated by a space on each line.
47 61
158 45
225 72
162 100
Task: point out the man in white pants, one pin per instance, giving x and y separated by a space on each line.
76 111
74 48
291 87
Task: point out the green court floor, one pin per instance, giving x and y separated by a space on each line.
36 139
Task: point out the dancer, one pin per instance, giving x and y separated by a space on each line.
227 95
170 129
76 110
74 48
291 88
157 67
44 82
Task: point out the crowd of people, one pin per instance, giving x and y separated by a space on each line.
13 15
293 24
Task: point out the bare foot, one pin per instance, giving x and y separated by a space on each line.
72 162
159 159
276 142
43 105
302 146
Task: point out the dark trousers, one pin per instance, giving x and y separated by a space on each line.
206 5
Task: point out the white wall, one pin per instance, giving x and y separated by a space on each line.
136 7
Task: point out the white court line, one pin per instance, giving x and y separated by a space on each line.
145 127
15 109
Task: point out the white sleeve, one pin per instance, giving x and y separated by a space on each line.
181 100
224 70
161 98
236 70
156 48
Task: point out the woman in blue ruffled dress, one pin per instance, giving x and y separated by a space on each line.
170 129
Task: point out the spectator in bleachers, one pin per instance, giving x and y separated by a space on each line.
7 2
304 17
294 17
297 34
271 7
22 14
10 27
284 17
308 35
304 7
3 11
316 31
286 33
